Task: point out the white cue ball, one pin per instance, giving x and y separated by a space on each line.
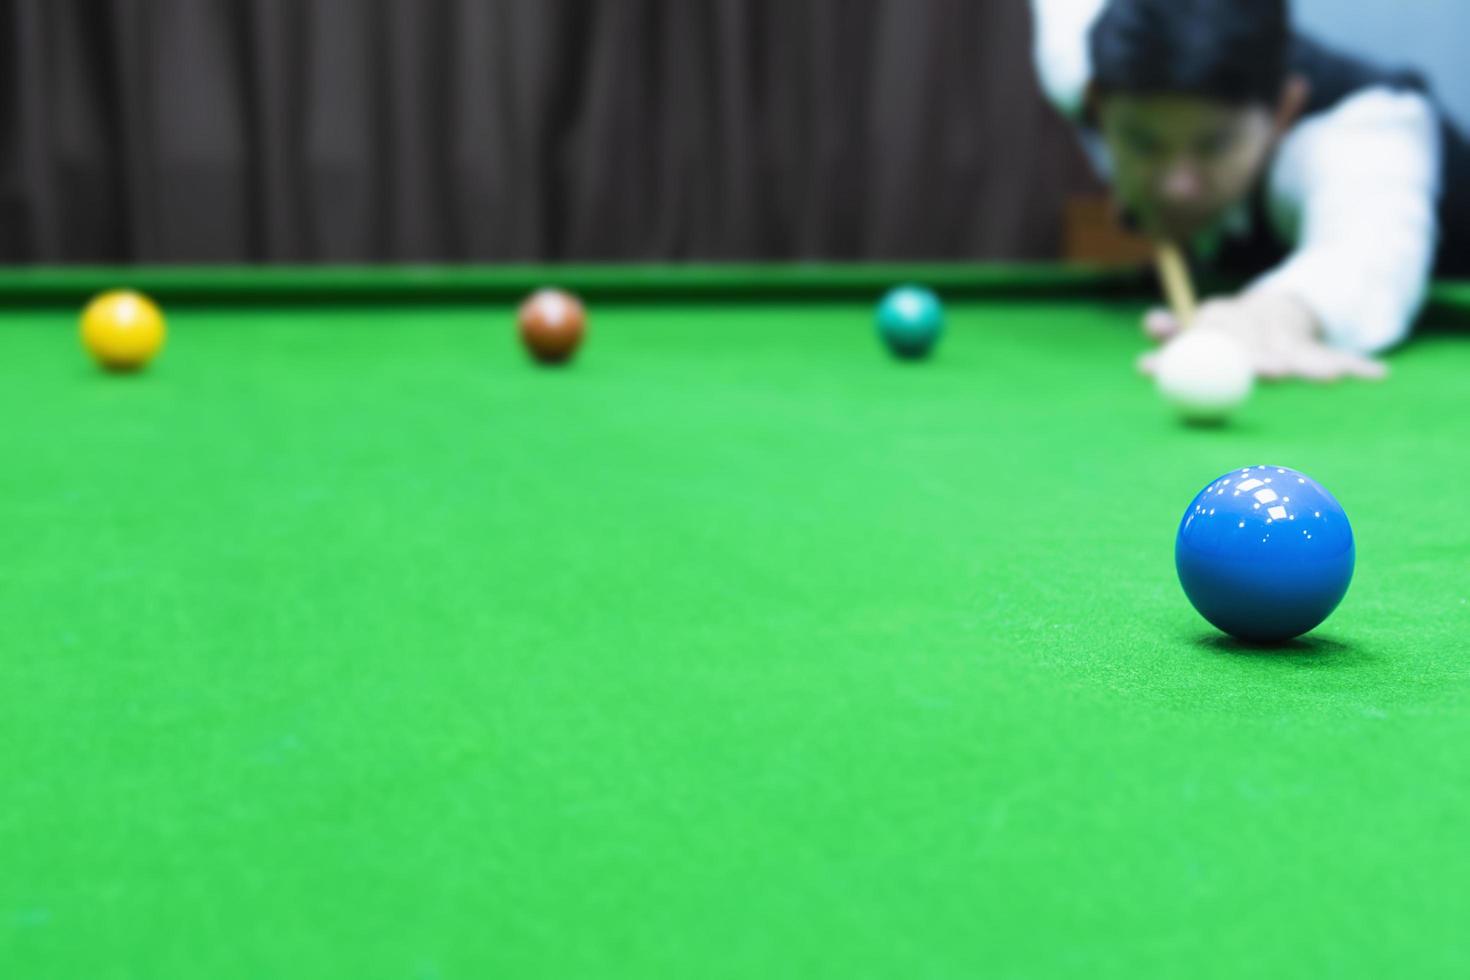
1204 374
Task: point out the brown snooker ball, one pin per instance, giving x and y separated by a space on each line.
552 323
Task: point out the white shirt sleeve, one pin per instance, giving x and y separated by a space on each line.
1357 189
1060 31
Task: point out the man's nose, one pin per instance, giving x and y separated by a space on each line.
1181 184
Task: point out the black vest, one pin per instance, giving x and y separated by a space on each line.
1334 77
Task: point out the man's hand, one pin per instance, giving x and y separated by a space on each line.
1278 332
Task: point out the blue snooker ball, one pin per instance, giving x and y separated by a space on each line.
1264 553
910 320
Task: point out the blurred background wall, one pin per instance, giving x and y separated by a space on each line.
432 130
1430 35
348 130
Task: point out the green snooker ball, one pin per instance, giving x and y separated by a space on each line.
910 320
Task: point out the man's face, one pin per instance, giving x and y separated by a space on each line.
1182 162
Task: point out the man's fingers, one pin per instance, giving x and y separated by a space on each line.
1160 324
1272 366
1317 365
1326 364
1358 366
1280 337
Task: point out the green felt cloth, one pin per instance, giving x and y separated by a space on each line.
346 643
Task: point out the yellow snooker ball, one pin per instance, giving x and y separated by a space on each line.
122 329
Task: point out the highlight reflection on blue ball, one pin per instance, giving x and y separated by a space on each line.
910 320
1264 553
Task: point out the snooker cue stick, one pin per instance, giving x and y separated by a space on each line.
1174 273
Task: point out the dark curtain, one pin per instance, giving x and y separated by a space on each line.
366 130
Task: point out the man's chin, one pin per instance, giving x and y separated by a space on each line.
1174 228
1187 228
